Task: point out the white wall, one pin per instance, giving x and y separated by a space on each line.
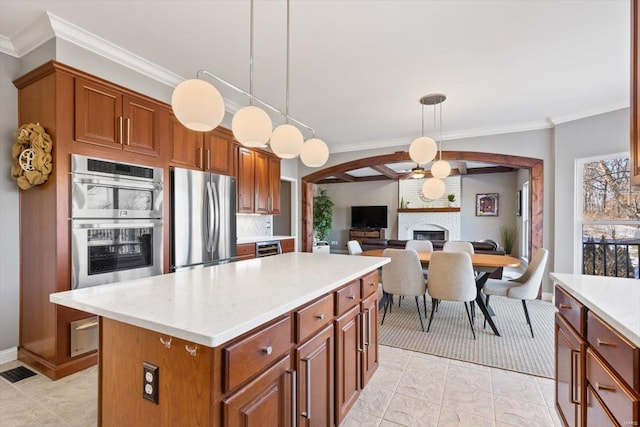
9 218
593 136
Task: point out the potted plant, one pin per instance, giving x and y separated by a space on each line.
508 236
322 215
452 198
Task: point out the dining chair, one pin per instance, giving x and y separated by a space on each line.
451 278
524 287
420 245
451 246
403 277
354 247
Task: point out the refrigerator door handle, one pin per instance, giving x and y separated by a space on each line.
216 217
210 218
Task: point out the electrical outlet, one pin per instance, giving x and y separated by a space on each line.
150 382
334 242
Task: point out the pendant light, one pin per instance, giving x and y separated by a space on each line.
287 140
434 188
441 168
423 149
197 105
314 153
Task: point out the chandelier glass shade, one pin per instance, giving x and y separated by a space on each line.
197 105
286 141
314 153
440 169
433 188
423 149
252 126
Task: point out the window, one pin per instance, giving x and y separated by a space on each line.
608 218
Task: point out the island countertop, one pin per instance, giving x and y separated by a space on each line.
213 305
615 300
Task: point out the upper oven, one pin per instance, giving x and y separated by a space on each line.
105 189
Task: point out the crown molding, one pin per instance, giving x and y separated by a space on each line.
32 37
586 113
6 46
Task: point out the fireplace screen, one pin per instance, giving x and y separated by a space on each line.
428 235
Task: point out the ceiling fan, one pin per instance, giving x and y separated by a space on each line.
417 172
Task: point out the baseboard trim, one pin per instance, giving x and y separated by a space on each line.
547 296
8 355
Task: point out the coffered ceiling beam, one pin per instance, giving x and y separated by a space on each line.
386 171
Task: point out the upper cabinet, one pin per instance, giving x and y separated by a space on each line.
109 117
210 151
258 182
635 96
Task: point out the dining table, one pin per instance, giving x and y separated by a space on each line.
484 264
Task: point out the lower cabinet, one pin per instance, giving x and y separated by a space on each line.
370 337
569 372
348 362
265 400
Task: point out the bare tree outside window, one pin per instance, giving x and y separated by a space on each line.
610 219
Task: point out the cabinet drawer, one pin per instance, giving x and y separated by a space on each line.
369 284
246 249
622 355
571 309
597 416
620 401
357 233
347 297
313 317
375 234
252 354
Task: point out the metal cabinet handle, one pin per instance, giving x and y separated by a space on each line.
307 414
606 343
267 350
351 297
166 343
574 377
128 131
191 350
201 151
360 346
294 398
120 129
605 387
208 159
320 316
87 326
567 306
368 327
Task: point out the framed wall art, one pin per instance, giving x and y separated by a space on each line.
487 204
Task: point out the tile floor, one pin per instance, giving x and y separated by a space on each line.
408 389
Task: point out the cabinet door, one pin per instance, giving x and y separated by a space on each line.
348 364
140 118
186 145
369 318
314 363
265 400
262 184
569 373
287 245
98 115
245 181
274 183
218 153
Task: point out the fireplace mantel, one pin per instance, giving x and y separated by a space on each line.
419 210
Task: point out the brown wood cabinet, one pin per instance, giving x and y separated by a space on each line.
635 94
246 251
360 234
258 182
370 361
570 383
109 117
288 245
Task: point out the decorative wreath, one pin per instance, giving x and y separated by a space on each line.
32 161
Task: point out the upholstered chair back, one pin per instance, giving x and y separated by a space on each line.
451 277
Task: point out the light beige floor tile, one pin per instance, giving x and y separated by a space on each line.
386 378
469 365
521 413
387 423
418 355
409 411
427 364
357 418
373 400
19 410
394 358
503 374
469 377
465 399
517 389
422 384
454 418
548 390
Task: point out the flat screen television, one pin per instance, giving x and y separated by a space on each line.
368 216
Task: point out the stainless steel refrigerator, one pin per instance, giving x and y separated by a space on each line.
203 219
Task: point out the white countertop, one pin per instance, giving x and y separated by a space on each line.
615 300
255 239
213 305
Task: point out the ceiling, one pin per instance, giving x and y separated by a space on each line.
359 68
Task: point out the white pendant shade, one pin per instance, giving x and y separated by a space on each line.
251 126
314 153
423 149
197 105
440 169
286 141
433 188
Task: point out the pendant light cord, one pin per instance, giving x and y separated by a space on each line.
440 132
286 107
251 52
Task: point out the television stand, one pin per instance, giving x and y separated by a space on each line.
360 234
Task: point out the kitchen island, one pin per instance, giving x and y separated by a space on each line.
597 332
237 344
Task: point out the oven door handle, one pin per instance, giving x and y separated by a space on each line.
134 223
132 184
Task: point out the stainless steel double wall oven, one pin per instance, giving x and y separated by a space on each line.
116 221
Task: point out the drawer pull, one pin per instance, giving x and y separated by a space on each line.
294 394
191 350
567 306
605 387
575 375
320 316
351 297
267 350
165 342
606 343
307 414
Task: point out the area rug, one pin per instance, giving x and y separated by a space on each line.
450 335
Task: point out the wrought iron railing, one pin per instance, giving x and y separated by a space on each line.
611 258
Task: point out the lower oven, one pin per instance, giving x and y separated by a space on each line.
112 250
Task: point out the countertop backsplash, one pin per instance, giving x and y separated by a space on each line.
254 225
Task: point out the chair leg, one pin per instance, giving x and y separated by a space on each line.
485 319
473 311
386 303
466 307
433 310
424 301
526 313
419 316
